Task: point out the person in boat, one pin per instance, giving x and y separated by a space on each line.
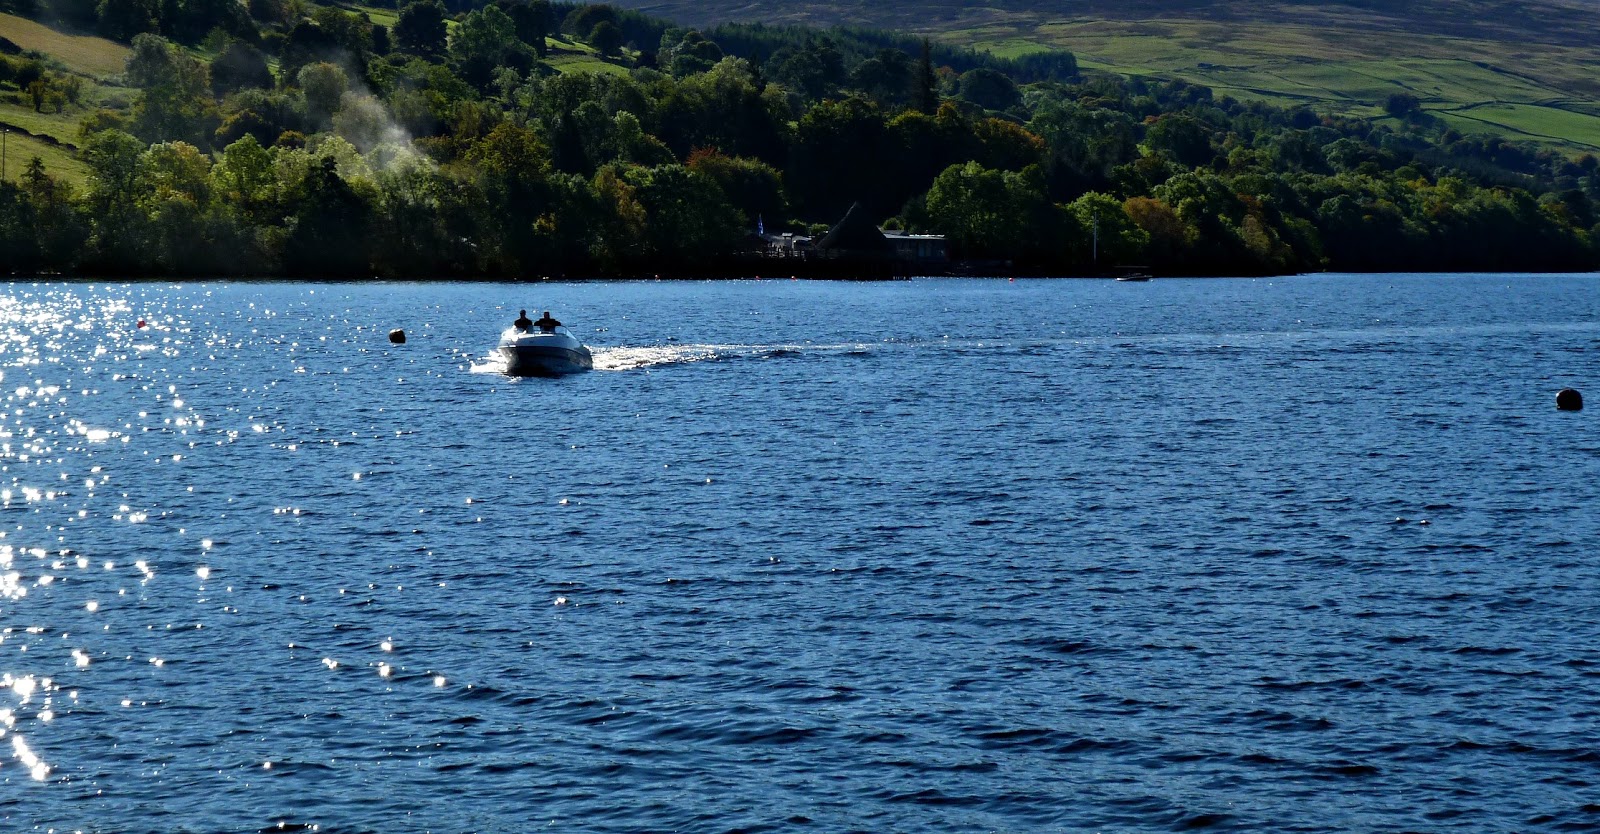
547 324
522 322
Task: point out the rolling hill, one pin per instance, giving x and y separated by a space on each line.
51 133
1524 70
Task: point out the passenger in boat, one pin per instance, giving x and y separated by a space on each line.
547 324
522 322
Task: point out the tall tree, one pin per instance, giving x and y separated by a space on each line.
174 100
926 80
238 67
330 228
421 29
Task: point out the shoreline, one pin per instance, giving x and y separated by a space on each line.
711 275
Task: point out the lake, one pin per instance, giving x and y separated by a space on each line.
1311 553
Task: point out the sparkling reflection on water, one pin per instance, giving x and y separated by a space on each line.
1302 554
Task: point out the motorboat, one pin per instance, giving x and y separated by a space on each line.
1134 276
543 352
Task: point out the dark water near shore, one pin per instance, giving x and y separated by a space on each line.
1298 554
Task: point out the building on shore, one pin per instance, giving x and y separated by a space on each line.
856 239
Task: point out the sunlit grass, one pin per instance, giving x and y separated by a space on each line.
80 53
63 126
584 63
1539 121
378 15
1342 64
58 162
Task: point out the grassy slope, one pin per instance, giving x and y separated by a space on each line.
84 54
1525 70
58 161
94 59
572 56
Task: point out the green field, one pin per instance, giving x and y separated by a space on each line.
58 162
1546 121
1546 96
89 56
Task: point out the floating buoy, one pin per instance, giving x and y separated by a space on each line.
1568 399
397 336
141 323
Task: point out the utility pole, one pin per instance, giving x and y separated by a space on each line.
1094 246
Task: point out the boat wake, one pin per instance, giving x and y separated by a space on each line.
640 357
652 356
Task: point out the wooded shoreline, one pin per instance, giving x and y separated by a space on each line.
462 153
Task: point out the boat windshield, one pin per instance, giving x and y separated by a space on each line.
513 333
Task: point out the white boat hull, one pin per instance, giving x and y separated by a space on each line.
543 354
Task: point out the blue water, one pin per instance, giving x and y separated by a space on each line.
1300 554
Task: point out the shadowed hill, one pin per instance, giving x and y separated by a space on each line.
1556 22
1525 70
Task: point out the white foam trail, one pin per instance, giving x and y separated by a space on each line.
647 356
631 358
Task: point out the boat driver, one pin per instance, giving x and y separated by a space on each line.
522 322
547 324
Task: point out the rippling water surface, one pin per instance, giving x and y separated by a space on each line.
1302 554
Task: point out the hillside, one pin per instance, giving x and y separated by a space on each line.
1524 70
50 131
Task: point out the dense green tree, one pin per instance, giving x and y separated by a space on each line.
19 247
688 218
193 20
888 77
723 108
59 227
998 214
1181 139
1168 237
686 53
123 19
814 71
351 33
836 160
238 67
752 187
1085 144
989 89
421 29
244 180
1114 237
174 100
485 40
324 85
1402 105
606 38
269 12
532 21
113 161
329 235
79 14
583 20
519 217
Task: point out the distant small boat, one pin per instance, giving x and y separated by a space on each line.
552 352
1134 276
